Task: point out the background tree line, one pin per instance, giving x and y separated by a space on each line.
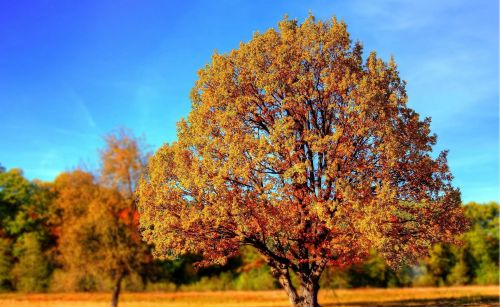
80 233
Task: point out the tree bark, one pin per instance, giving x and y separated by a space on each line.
283 277
309 293
307 296
116 290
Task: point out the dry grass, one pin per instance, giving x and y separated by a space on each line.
470 296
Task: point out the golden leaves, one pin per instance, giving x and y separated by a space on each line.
294 143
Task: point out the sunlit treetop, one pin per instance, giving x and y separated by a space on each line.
123 160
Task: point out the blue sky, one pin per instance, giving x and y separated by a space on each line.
71 71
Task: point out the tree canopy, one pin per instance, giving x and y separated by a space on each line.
298 146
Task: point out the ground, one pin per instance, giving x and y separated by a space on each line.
449 296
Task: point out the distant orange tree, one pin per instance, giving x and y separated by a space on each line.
99 236
298 147
123 160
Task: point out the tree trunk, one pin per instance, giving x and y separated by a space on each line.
307 296
283 277
309 293
116 290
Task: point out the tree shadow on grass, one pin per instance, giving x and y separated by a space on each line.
482 300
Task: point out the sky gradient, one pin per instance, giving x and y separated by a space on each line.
71 71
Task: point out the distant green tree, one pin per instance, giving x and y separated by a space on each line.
482 241
25 235
31 272
15 203
254 273
372 272
6 263
476 260
439 264
460 273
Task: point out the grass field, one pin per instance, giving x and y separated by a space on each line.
452 296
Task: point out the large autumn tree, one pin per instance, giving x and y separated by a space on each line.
298 146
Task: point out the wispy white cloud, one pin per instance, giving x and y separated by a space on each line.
81 108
